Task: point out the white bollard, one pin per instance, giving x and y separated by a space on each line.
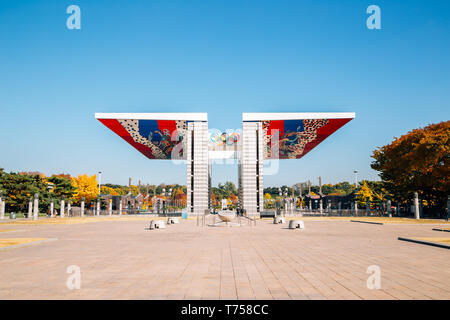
296 224
69 206
120 207
98 207
110 207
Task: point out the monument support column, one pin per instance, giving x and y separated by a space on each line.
251 168
197 163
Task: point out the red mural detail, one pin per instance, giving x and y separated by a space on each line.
276 125
169 125
117 128
323 132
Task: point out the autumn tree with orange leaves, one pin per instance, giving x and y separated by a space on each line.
417 161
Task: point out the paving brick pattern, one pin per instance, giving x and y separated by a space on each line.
124 260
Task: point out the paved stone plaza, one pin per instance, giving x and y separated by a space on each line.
122 259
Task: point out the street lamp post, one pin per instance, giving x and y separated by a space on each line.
99 181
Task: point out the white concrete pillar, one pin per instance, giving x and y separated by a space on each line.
52 207
69 206
2 204
110 207
197 162
98 207
416 206
62 207
30 209
356 207
321 206
36 207
120 207
82 207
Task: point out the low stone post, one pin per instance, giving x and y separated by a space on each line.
61 214
110 207
389 209
30 208
98 207
416 206
52 206
82 207
69 206
36 207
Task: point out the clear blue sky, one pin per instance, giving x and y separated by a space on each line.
221 57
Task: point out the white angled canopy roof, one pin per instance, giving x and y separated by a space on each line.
296 115
155 116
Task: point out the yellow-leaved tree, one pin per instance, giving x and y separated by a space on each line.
108 190
86 186
363 193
